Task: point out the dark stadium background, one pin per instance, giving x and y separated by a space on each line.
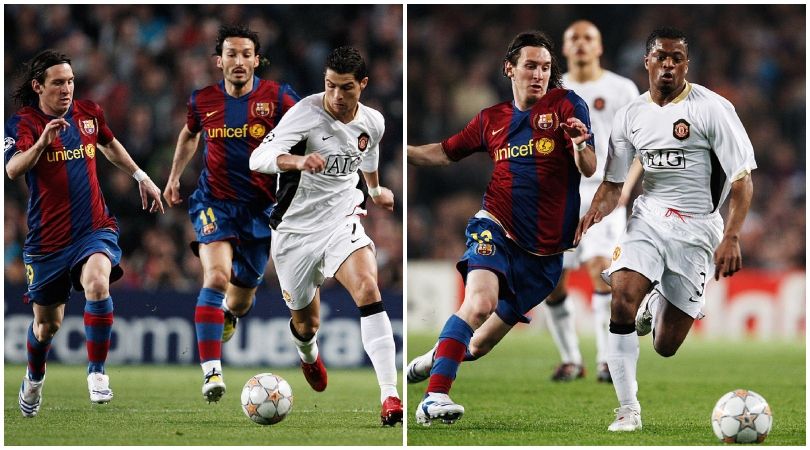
141 63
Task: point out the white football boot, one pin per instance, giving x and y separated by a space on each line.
644 317
213 386
627 419
99 386
419 367
438 406
30 396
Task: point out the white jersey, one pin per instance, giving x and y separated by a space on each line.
604 96
310 202
692 149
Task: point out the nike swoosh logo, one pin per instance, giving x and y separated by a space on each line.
209 114
494 132
635 131
354 240
327 137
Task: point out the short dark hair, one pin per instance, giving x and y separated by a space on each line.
239 30
666 33
347 59
535 38
35 69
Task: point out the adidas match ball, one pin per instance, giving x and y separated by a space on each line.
742 417
267 398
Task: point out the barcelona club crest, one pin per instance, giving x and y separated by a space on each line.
263 109
209 228
362 141
680 129
485 249
546 121
88 126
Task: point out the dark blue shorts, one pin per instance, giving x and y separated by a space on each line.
50 276
247 230
524 279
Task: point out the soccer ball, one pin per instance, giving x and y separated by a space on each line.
267 398
742 416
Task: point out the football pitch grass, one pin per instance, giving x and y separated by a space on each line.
510 400
163 405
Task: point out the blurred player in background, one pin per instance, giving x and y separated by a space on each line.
540 143
695 152
72 237
318 147
604 92
231 207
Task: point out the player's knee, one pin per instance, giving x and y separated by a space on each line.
97 286
216 278
307 327
366 291
622 306
665 347
46 330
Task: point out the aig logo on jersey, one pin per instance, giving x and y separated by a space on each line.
337 165
362 141
680 129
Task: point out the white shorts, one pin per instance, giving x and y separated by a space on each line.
599 240
673 250
304 261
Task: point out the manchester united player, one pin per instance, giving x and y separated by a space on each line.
540 143
231 207
72 237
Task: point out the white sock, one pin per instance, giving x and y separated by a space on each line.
378 341
560 321
622 357
601 320
214 364
307 350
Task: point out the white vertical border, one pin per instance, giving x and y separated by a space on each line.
406 405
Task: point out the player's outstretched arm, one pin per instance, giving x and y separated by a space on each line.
22 162
118 155
186 146
727 256
604 202
427 155
381 196
635 173
584 154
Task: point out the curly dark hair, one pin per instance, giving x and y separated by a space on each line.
347 59
666 33
34 69
239 30
534 38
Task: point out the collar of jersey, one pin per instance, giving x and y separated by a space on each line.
677 99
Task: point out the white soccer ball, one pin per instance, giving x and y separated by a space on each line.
742 417
267 398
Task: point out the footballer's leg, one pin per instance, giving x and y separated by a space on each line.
560 321
47 320
98 320
671 328
600 302
304 325
629 288
237 303
209 318
358 274
249 261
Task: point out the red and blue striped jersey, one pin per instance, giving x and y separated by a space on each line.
66 202
232 128
534 188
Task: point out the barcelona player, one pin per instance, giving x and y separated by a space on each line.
72 242
230 208
318 149
695 153
540 144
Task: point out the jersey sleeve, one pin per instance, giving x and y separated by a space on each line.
287 97
105 135
192 118
620 150
582 113
468 141
293 128
371 159
729 140
18 137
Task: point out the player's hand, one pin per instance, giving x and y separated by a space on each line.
52 129
727 258
576 130
590 218
312 163
148 192
172 193
385 199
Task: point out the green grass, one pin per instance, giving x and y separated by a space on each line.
162 405
509 399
